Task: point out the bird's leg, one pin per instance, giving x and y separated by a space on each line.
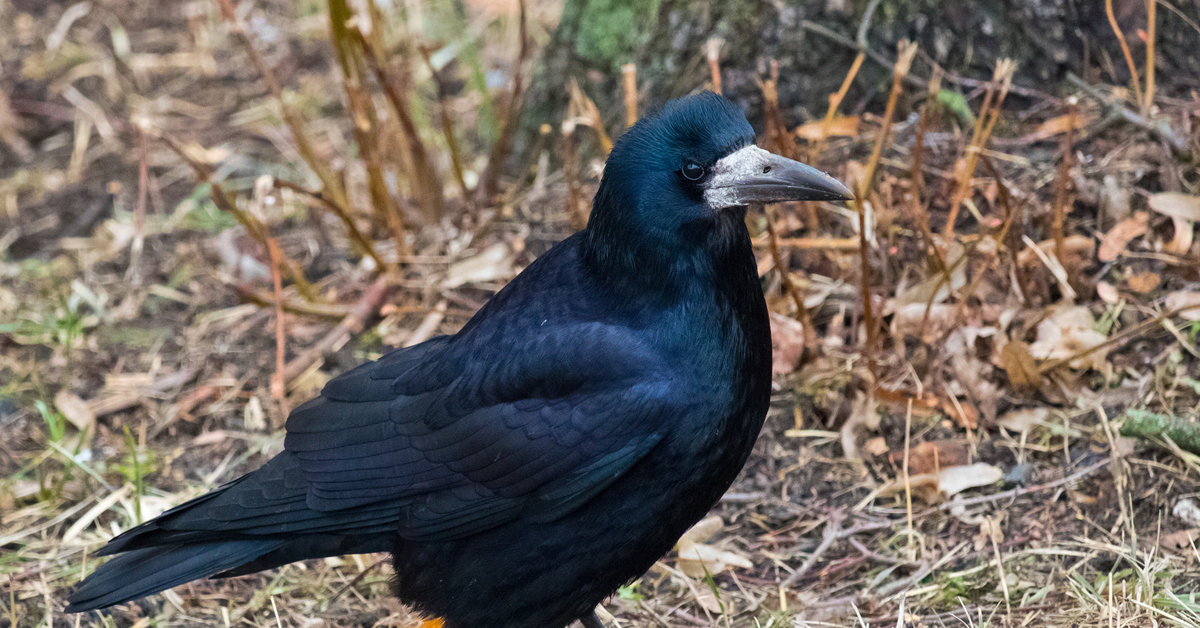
593 620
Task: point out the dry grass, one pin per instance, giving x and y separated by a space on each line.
210 209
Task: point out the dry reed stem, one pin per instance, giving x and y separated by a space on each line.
1112 21
293 120
907 50
712 52
785 144
629 82
509 109
424 183
278 390
835 102
447 125
253 227
989 114
367 246
1151 27
1062 189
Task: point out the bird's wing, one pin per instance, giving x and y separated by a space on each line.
530 430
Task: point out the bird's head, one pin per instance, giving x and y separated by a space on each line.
671 177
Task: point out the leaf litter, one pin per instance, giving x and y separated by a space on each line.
956 456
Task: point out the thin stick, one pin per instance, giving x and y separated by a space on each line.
366 307
989 114
835 101
712 52
1121 337
1023 490
1064 178
1112 21
1151 24
785 276
629 74
907 51
277 383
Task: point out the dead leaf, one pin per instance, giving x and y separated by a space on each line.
1181 541
1057 126
787 342
1182 299
490 264
962 411
876 446
989 532
1068 332
700 559
1176 205
1020 366
840 126
1187 510
1114 242
864 417
1143 282
932 456
701 531
1181 243
1107 292
1024 419
954 480
75 410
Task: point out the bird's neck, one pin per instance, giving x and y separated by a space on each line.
635 265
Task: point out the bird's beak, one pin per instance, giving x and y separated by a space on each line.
753 175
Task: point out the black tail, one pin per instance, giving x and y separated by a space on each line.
256 522
141 572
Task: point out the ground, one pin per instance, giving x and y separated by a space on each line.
952 449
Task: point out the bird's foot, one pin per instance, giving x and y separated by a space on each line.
600 618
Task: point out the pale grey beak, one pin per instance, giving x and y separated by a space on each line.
753 175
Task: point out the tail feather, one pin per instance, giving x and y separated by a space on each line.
141 572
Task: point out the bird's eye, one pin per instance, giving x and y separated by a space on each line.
692 171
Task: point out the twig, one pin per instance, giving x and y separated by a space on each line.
989 114
1112 21
712 52
1121 337
225 203
629 76
352 229
328 180
510 111
1064 178
1158 129
1022 490
366 307
907 51
833 533
277 384
447 125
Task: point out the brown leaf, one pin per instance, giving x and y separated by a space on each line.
847 126
1181 243
1057 126
1024 419
75 410
1183 540
933 456
787 342
1143 282
962 411
1117 238
1020 366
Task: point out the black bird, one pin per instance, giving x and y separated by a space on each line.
522 469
